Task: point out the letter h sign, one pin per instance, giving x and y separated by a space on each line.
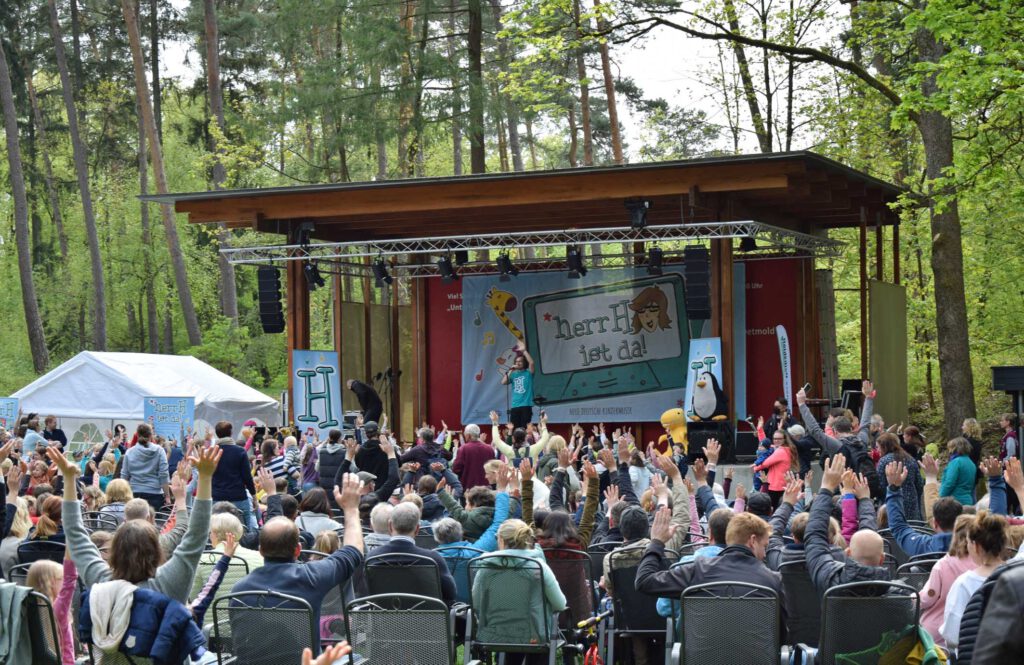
308 414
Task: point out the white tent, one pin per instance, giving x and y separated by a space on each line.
102 388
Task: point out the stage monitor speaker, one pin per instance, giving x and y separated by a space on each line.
697 272
852 397
271 315
698 433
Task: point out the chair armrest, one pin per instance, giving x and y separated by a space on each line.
677 654
785 654
805 654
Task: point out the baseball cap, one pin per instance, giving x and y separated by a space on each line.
367 477
370 427
759 504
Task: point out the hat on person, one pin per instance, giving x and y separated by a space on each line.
249 423
367 477
759 504
797 431
370 427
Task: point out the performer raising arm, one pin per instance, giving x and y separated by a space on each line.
520 377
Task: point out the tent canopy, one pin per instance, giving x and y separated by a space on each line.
95 385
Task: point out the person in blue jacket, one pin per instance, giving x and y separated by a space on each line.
944 514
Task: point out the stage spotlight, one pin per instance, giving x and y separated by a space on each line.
574 260
380 272
444 266
313 278
506 268
654 258
638 212
748 244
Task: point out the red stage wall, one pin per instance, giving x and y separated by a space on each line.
443 352
773 298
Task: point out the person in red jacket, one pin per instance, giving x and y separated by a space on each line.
470 460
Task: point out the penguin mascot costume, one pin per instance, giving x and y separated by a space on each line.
709 402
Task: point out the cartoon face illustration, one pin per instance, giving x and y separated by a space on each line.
650 311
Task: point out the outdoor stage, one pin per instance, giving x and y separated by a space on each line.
436 344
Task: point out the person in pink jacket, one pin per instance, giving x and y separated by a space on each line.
944 573
782 460
58 584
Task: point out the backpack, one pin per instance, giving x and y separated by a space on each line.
860 462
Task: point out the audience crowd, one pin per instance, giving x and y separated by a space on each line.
139 543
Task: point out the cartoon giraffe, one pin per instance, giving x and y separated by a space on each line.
502 302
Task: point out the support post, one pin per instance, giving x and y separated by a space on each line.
396 359
722 315
879 251
367 354
863 288
297 317
896 253
418 332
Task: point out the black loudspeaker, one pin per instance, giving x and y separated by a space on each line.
698 433
697 272
271 314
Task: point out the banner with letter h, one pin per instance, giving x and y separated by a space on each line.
316 391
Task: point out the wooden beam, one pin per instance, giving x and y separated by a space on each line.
896 254
419 351
296 318
879 249
367 353
725 317
863 288
396 358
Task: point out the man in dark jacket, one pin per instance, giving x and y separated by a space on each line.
433 509
369 400
1001 635
233 477
742 560
865 557
404 524
426 451
382 490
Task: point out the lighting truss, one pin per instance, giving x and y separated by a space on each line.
413 256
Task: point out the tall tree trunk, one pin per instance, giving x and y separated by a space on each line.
195 338
764 140
51 189
511 110
453 62
81 159
152 321
415 146
581 74
955 374
477 152
609 93
573 134
531 143
33 320
76 53
228 294
154 64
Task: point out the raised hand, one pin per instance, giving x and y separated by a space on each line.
66 467
441 485
861 488
992 467
178 489
729 473
230 544
328 656
801 397
505 476
930 466
895 473
606 457
1014 475
387 447
611 497
662 528
689 485
207 461
849 479
494 418
623 449
712 450
526 470
659 487
833 473
589 472
408 489
741 492
5 451
437 467
793 489
347 494
563 458
867 388
700 471
14 477
667 465
266 481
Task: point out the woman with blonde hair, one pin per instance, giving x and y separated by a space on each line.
118 492
18 528
986 540
57 583
956 562
93 498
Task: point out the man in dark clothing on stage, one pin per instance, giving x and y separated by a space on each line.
369 400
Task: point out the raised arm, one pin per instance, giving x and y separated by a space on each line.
910 541
866 410
680 503
347 497
545 435
499 442
586 527
830 445
384 493
653 575
818 552
780 518
86 557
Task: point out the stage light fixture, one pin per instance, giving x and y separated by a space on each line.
444 266
380 272
574 260
313 278
654 258
638 212
461 257
748 244
506 268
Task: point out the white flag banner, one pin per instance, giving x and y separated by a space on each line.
787 362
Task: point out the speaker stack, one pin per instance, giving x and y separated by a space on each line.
271 315
697 273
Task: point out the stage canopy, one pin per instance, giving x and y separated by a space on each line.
98 386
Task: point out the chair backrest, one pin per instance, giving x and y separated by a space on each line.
635 612
415 574
509 609
751 613
163 515
458 557
572 570
892 563
803 604
19 573
42 630
237 569
928 558
400 628
597 553
262 627
689 549
874 608
31 551
97 521
425 540
96 655
915 573
311 555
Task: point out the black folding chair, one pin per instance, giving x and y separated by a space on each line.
690 549
458 557
425 539
400 628
915 573
237 569
803 604
597 554
635 614
707 608
19 574
414 574
262 628
42 628
509 612
572 570
873 608
163 515
97 521
31 551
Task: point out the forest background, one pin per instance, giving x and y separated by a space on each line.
104 99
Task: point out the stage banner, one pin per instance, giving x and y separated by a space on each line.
705 357
8 412
610 346
316 392
170 417
786 359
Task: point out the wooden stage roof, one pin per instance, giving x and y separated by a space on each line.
801 191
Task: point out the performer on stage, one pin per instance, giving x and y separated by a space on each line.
520 377
369 400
